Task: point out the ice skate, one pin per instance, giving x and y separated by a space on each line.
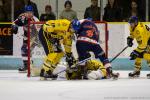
110 73
148 76
23 69
47 75
134 74
115 76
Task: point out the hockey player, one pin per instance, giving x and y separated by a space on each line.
56 38
88 40
141 33
94 70
22 20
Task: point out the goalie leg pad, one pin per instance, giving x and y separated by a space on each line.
95 75
60 70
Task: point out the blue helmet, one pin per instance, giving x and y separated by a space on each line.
133 19
76 24
28 8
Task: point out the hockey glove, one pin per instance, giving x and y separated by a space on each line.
129 42
70 59
14 29
134 54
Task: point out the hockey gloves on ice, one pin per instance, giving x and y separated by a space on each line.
129 42
134 54
14 29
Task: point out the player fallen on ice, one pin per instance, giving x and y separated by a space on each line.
56 38
22 20
88 41
141 33
95 70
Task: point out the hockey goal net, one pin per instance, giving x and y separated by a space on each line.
36 52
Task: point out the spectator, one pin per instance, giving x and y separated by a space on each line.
49 15
18 8
93 11
134 11
112 12
68 13
125 7
35 10
2 16
7 10
142 9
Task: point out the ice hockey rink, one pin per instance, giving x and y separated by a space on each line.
17 86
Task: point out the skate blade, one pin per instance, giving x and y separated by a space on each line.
134 77
23 71
48 79
43 78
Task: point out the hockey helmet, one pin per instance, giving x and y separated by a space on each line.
28 8
133 19
89 18
75 24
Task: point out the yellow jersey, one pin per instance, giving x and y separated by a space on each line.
142 34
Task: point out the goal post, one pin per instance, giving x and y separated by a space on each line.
36 52
104 35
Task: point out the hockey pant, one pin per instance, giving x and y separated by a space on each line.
83 49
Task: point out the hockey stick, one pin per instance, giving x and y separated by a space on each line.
119 53
80 62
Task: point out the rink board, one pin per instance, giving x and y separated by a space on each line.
118 33
118 64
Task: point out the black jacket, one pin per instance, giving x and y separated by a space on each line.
112 14
92 12
46 17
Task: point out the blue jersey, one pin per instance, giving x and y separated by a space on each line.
89 30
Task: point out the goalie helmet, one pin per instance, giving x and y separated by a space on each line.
28 8
133 19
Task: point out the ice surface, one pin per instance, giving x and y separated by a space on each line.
16 86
